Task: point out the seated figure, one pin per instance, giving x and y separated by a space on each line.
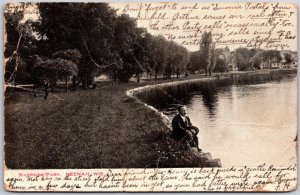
183 128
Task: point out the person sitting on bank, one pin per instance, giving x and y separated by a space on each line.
183 128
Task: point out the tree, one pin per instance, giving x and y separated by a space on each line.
257 59
206 51
88 27
221 65
158 60
20 43
50 71
143 54
171 50
288 58
212 60
180 60
148 54
129 41
175 59
72 55
243 57
260 56
193 64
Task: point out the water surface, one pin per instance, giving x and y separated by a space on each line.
248 125
243 123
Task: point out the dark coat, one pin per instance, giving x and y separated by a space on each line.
181 127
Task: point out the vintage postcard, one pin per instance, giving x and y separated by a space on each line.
150 96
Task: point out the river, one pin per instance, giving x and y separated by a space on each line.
243 124
250 124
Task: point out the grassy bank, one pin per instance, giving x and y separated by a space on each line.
100 128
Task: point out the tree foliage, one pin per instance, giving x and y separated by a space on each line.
206 52
50 71
288 58
70 54
194 65
20 44
90 39
107 42
261 56
88 27
221 65
243 57
177 58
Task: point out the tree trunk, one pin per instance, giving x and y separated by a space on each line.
84 81
66 84
74 85
34 90
47 90
115 76
138 77
17 60
52 87
155 75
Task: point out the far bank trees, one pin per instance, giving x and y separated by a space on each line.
207 54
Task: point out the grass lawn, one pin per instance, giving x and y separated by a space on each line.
100 128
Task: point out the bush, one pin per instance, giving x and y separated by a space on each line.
55 69
49 72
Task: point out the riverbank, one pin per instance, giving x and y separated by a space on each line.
101 128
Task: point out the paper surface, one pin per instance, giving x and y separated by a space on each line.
266 26
255 25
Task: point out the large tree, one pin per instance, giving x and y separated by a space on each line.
159 48
88 27
130 47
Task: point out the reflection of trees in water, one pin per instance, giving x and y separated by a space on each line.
185 93
167 98
210 97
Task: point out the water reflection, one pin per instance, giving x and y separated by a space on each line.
210 98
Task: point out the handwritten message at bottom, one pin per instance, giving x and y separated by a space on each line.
260 178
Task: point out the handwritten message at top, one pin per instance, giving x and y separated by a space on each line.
252 25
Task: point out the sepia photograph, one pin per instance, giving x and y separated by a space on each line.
150 96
